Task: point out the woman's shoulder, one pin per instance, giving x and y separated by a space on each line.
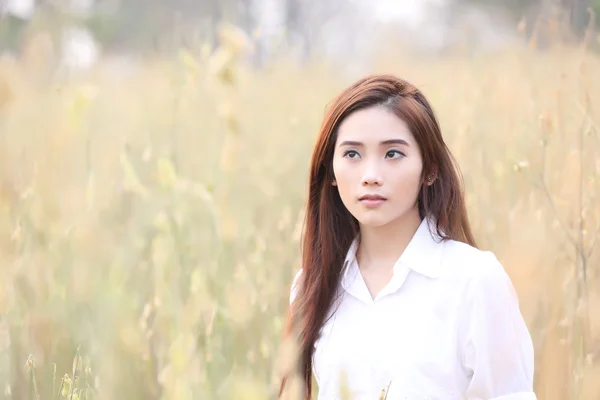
472 264
479 276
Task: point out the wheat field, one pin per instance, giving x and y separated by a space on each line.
150 223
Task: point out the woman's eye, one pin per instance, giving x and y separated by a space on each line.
351 154
394 154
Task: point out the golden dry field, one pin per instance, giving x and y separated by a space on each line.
150 223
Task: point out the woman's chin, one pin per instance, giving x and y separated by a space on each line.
373 221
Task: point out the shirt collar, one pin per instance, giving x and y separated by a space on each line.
422 254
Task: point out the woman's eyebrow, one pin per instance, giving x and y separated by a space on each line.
385 142
395 141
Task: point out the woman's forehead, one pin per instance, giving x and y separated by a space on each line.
373 125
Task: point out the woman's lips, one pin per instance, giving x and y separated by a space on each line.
372 200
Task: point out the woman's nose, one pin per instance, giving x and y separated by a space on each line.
371 176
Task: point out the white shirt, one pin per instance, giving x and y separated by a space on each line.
447 326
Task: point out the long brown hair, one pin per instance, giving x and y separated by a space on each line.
329 226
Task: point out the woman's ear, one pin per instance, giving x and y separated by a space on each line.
430 177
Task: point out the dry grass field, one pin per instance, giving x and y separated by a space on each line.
150 224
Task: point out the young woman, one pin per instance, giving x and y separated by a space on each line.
393 298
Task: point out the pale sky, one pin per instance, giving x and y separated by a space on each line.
20 8
411 12
408 11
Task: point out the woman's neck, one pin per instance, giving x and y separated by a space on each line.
380 247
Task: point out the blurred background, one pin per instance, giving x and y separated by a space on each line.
153 165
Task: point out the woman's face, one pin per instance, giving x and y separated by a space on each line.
377 166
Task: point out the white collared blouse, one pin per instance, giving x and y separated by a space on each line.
447 326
